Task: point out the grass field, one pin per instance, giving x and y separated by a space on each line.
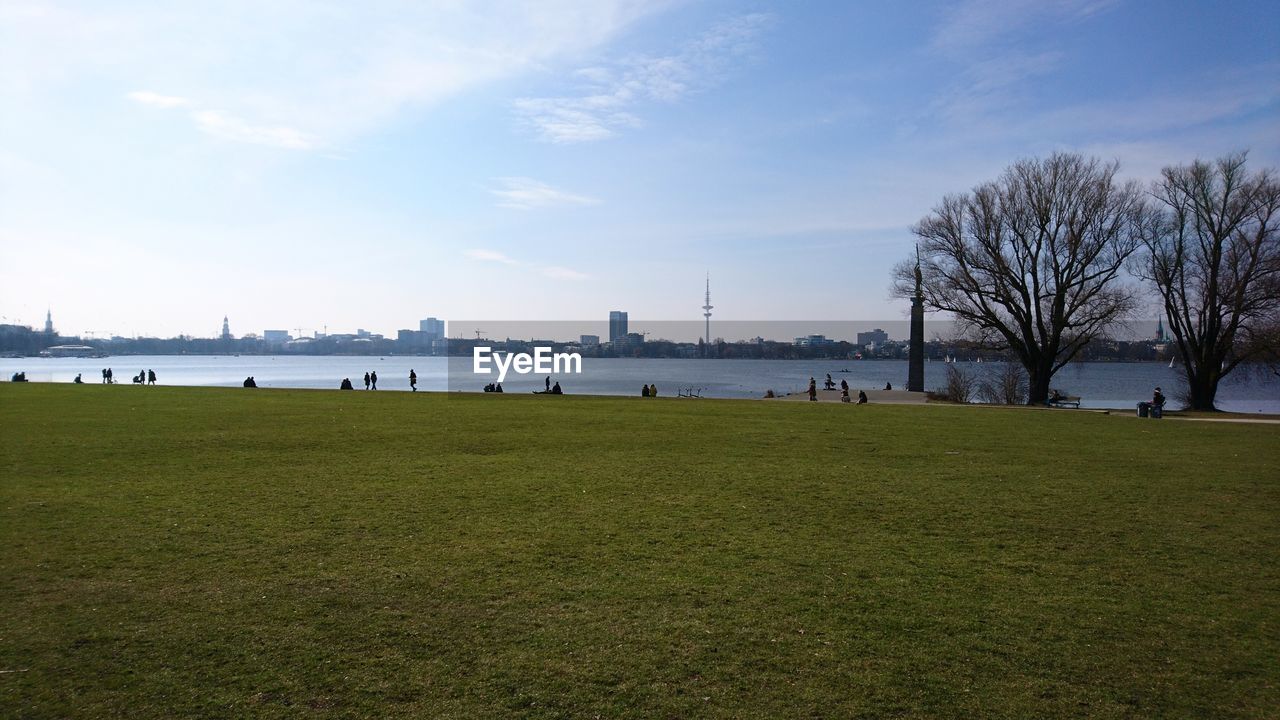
191 552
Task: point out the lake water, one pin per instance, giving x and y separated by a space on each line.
1100 385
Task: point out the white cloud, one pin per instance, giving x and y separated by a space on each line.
562 273
489 256
976 23
233 128
613 93
296 74
165 102
555 272
522 193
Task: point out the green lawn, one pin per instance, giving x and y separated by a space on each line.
200 552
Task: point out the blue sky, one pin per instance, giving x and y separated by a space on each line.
343 165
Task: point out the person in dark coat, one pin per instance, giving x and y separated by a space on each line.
373 378
555 389
250 382
413 380
644 391
151 377
366 381
346 384
862 398
813 390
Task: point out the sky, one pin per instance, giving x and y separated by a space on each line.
335 165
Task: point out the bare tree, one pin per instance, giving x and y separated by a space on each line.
1005 384
1031 261
1215 260
961 385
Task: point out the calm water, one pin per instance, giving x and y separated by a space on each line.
1101 385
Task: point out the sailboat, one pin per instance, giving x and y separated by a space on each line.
1170 363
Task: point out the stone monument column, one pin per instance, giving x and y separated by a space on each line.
915 362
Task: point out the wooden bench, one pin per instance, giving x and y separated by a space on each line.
1063 401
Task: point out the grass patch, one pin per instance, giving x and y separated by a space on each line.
205 552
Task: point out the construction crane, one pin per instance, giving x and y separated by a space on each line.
479 333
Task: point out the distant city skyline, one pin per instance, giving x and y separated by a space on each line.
162 167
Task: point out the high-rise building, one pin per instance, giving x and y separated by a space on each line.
617 325
877 336
431 329
48 322
226 329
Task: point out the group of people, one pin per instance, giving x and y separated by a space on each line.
551 389
649 390
493 387
145 377
844 390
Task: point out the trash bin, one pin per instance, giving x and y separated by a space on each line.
1157 411
1144 409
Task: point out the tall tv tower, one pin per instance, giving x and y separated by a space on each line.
706 311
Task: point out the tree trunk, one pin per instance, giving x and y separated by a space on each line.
1038 377
1202 389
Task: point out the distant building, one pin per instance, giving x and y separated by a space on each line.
1160 336
48 322
812 341
226 329
588 340
272 337
875 337
617 325
431 329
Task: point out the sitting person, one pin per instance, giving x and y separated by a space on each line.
862 398
844 393
78 381
555 389
1157 400
644 391
346 384
497 388
250 382
653 390
888 386
829 384
1055 396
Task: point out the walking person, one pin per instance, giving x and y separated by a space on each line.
549 383
104 376
151 376
373 377
413 380
813 390
366 381
110 376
